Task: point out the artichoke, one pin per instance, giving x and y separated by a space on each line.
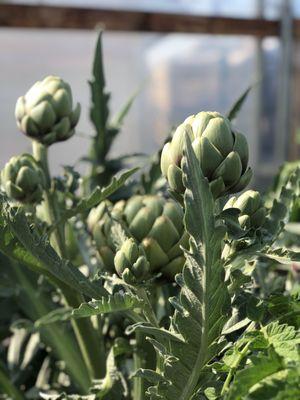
99 225
46 112
131 263
252 210
154 222
221 151
23 180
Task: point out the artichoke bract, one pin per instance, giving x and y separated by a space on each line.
131 263
45 113
23 180
154 222
221 151
252 210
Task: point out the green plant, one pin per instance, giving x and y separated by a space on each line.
23 180
113 297
251 209
131 262
221 151
156 223
46 113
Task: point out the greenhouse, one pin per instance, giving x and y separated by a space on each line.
149 210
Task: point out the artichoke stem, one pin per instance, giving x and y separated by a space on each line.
40 153
138 383
51 207
89 341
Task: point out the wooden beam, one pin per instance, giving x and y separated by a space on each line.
53 17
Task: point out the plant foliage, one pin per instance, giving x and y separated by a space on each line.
87 311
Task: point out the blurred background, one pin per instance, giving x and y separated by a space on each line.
182 55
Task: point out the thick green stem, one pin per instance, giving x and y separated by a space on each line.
138 360
51 206
89 341
7 387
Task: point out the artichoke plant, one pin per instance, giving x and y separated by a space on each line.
23 180
154 222
222 153
99 225
252 210
131 263
45 113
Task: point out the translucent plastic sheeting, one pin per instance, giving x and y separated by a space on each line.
177 75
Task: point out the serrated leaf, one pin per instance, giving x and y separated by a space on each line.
98 195
42 255
12 248
99 112
284 339
281 255
238 104
159 333
111 303
261 367
118 120
57 315
200 221
203 306
287 308
151 376
280 207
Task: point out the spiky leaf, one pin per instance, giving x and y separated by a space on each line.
238 104
41 254
109 304
203 306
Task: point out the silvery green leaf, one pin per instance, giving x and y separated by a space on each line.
111 303
96 197
238 104
28 247
203 306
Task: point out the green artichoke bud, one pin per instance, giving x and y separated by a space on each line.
252 210
99 224
131 263
221 151
23 180
46 112
154 222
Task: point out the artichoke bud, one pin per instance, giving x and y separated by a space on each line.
156 224
45 113
252 210
131 263
23 180
221 151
